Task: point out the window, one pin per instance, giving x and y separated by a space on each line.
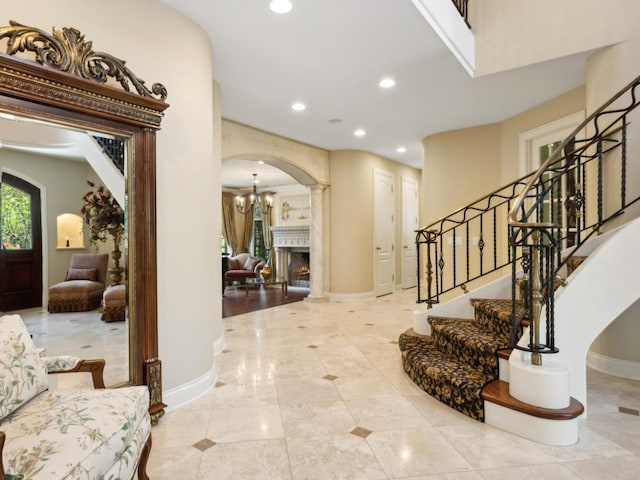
224 248
259 249
15 216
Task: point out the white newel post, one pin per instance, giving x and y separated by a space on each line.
316 250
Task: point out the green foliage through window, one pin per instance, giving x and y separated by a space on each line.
15 213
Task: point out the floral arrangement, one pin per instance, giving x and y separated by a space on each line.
103 214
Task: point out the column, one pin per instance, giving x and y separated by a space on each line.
316 250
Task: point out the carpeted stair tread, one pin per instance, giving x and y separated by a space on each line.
495 314
466 342
456 384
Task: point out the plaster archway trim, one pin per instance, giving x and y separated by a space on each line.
299 174
307 164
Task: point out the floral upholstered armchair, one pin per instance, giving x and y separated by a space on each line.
66 434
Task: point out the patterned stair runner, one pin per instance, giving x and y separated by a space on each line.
459 358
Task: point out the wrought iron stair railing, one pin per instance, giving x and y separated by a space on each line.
463 8
466 245
114 149
583 185
550 211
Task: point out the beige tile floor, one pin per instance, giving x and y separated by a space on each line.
316 391
84 335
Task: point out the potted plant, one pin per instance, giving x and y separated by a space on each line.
105 217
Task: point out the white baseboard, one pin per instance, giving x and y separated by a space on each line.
614 366
219 345
549 432
187 393
350 297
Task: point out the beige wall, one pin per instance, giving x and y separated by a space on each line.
351 219
478 160
513 33
188 188
549 111
459 167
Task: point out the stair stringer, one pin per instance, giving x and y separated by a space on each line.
583 309
602 288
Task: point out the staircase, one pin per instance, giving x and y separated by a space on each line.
460 357
492 354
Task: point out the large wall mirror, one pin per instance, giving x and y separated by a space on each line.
54 80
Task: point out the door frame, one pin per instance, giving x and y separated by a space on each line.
392 255
43 227
44 251
414 184
529 140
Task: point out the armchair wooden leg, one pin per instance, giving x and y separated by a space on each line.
144 458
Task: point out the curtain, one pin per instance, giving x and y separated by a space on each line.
229 221
246 234
267 221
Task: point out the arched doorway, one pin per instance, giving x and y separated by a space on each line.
21 244
295 209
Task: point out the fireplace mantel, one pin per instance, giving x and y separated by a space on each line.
291 237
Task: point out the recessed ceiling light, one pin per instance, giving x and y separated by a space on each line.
387 82
360 133
281 6
261 162
298 106
401 149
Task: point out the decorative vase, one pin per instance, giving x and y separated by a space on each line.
266 272
116 271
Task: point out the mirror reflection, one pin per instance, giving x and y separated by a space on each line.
63 239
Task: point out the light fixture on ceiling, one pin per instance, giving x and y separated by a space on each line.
387 82
298 106
360 133
252 201
401 149
280 6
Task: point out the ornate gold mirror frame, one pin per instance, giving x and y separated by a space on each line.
67 83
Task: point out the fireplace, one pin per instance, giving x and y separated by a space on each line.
291 245
299 270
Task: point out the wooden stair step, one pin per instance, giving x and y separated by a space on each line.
497 392
504 353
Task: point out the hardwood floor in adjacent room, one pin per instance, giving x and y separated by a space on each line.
236 300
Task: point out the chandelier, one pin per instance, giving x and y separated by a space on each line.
252 201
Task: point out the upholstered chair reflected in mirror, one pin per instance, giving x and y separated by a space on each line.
83 285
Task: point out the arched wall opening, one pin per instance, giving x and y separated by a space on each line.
296 233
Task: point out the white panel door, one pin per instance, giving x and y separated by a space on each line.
383 229
409 227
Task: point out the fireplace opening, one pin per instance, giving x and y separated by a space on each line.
299 271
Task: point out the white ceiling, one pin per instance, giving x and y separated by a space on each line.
331 54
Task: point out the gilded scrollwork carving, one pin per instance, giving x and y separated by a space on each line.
153 379
66 50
